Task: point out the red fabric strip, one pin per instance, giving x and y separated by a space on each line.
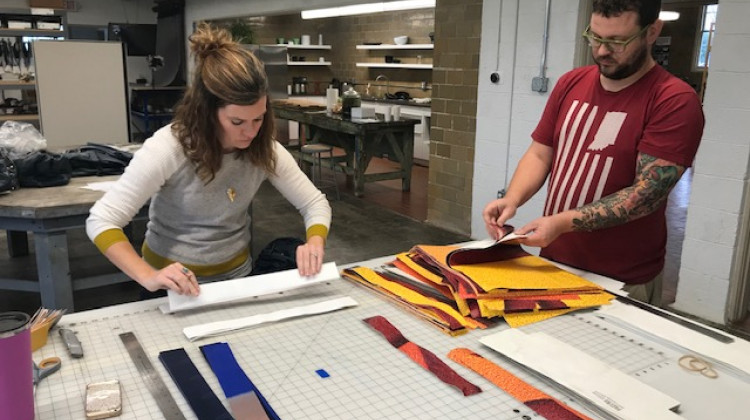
423 357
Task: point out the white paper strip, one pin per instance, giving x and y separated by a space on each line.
220 327
610 389
247 287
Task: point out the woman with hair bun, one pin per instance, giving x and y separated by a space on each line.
201 173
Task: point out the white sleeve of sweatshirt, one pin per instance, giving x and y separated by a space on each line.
297 188
152 165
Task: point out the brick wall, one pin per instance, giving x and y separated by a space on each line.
454 108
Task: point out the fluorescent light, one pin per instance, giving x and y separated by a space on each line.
407 5
359 9
669 16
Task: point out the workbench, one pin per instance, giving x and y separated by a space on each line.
361 140
368 378
50 213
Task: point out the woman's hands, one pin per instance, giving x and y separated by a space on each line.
175 277
310 256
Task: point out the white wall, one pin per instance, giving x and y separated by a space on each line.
508 112
101 12
721 171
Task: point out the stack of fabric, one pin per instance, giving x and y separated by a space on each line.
458 289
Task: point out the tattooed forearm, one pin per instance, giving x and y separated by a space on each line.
654 180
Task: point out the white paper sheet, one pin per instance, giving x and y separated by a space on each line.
734 354
220 327
247 287
610 389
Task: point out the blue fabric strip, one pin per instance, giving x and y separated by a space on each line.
232 378
198 394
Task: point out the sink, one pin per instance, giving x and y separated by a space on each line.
409 102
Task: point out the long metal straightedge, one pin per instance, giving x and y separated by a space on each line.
674 318
153 381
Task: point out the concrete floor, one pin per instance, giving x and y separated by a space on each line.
360 231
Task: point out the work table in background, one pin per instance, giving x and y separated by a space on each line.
361 141
409 109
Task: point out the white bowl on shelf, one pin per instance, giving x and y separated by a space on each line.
401 40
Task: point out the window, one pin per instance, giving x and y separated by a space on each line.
708 20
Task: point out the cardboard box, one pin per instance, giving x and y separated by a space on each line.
48 4
363 112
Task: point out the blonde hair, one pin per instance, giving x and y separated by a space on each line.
225 73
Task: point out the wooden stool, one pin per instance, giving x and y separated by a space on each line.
316 152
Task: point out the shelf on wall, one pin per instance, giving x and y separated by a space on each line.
396 66
59 33
308 63
19 117
304 47
16 84
396 47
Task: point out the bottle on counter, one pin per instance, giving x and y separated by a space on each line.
350 99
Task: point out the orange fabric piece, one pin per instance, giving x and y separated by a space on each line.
537 400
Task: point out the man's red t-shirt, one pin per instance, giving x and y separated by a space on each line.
596 136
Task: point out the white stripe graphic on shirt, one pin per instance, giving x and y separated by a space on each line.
575 159
563 150
589 177
571 163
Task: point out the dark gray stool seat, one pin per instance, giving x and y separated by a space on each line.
317 152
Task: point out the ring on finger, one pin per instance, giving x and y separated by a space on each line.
185 270
314 254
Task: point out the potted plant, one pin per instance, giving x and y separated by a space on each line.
242 32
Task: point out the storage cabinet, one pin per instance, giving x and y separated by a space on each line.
18 29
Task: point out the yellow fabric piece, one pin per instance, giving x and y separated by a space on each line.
463 306
529 272
108 238
411 296
159 262
317 230
526 318
438 252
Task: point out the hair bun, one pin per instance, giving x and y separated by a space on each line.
207 39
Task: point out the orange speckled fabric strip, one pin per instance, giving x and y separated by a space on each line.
535 399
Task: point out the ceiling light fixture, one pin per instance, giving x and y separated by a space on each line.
669 16
359 9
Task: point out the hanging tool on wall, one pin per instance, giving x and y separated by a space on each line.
7 56
26 51
17 56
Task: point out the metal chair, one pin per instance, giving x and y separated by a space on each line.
316 152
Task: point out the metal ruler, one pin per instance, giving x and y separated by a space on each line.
153 381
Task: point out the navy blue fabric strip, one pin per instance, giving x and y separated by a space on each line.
232 378
198 394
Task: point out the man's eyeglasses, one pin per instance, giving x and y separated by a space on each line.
613 45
